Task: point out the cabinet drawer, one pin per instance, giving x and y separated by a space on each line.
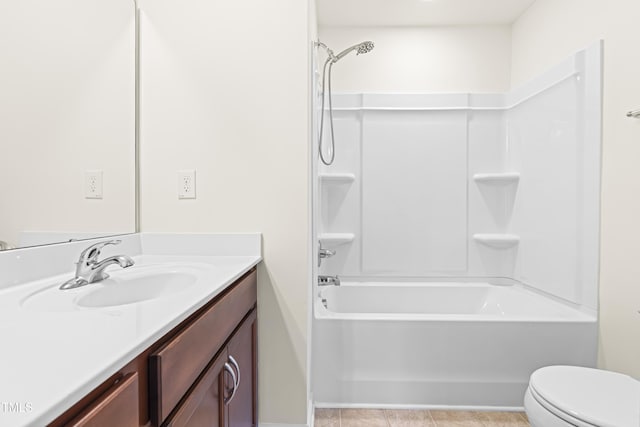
176 365
117 407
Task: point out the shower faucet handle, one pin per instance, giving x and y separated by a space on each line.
324 253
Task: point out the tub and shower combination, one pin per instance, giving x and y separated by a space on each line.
465 230
440 344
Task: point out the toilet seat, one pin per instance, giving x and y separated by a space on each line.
547 415
587 397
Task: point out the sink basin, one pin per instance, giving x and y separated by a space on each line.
139 288
129 286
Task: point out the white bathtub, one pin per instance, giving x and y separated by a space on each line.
470 345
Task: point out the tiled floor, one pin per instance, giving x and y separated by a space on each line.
409 418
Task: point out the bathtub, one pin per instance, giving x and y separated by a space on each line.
440 345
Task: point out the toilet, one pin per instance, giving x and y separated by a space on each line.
565 396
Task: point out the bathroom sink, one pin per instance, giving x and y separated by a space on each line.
129 290
133 285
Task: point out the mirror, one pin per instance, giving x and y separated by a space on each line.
67 120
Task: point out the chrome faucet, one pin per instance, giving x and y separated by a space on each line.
328 280
90 270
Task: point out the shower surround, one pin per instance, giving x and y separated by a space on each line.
496 189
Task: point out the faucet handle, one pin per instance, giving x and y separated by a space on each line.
323 253
91 254
326 253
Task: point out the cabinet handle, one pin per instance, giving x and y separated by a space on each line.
229 369
235 365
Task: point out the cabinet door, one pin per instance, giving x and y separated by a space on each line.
204 404
242 409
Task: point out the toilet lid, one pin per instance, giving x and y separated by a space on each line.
599 398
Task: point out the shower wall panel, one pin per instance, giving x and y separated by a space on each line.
547 152
414 192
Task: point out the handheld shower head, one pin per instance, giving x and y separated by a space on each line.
364 47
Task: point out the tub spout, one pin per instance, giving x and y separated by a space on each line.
328 280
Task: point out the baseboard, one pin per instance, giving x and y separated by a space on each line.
281 425
478 408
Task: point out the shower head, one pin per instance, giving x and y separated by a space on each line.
364 47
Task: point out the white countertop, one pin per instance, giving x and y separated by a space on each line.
53 356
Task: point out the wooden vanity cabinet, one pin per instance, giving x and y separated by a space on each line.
186 378
225 394
178 366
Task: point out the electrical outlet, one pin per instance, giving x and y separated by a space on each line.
187 184
93 184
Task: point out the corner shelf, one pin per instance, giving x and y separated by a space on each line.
336 239
497 241
503 178
337 178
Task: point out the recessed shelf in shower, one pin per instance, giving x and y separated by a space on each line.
502 178
497 241
336 239
337 178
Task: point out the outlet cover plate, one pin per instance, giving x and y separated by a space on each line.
93 184
187 184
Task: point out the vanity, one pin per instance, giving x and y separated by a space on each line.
170 341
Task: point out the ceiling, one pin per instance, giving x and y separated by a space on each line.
373 13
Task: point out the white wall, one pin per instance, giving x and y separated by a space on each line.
209 103
427 59
547 32
67 76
